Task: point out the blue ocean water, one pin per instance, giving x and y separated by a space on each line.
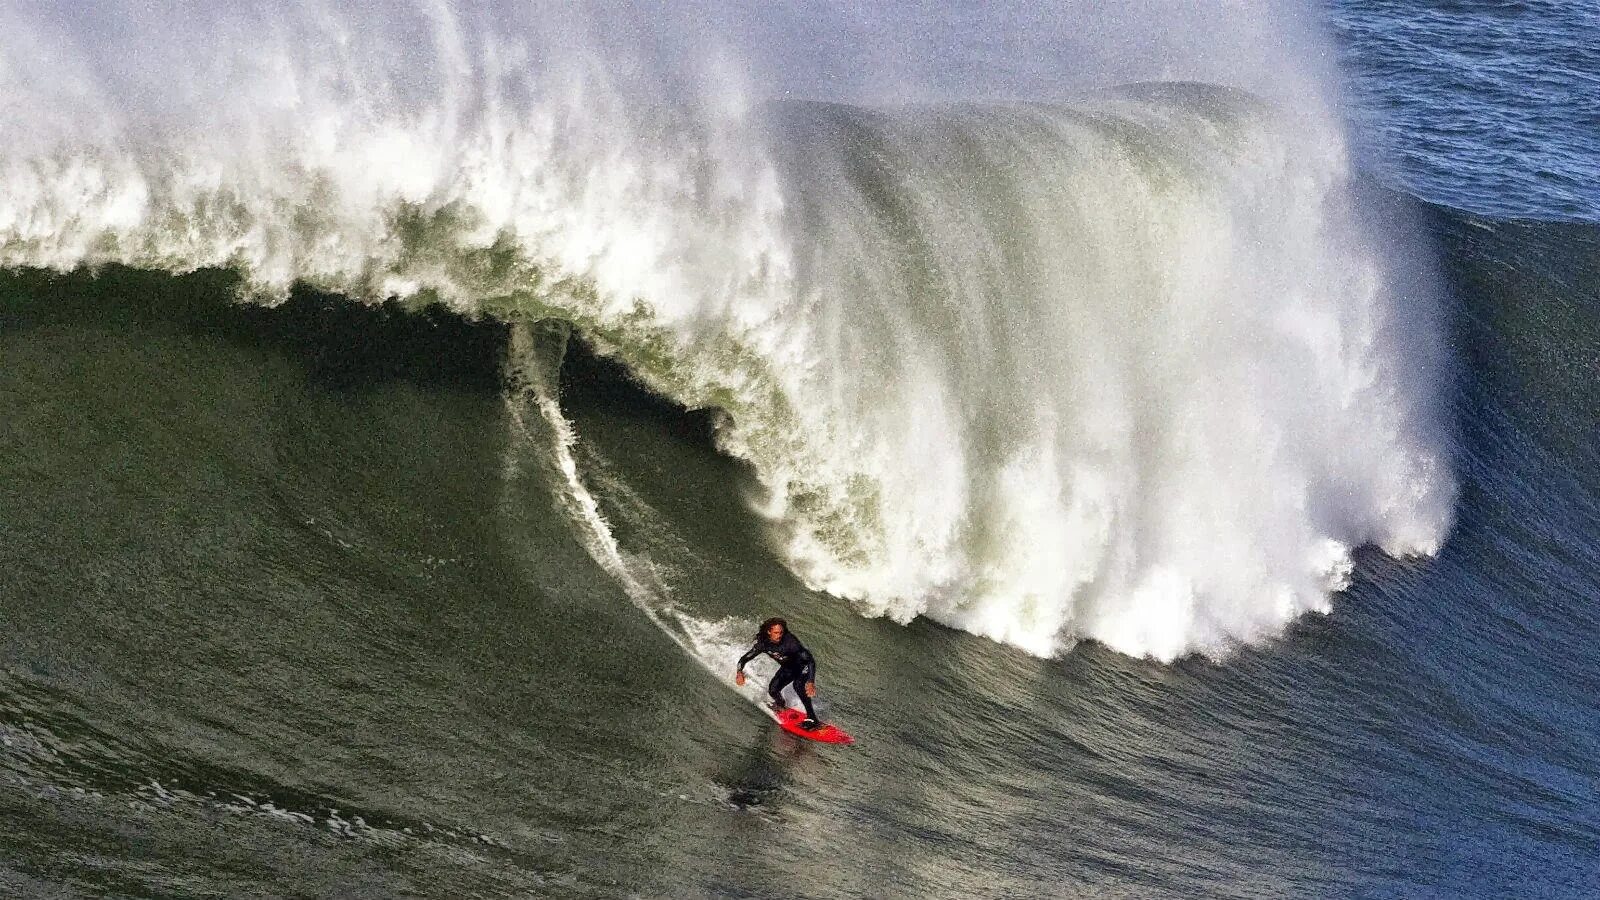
1486 105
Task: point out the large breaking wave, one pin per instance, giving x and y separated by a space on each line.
1133 365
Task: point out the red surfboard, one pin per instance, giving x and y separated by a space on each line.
789 720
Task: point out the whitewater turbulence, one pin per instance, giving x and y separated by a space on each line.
1131 369
1132 364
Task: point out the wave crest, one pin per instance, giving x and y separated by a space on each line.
1136 368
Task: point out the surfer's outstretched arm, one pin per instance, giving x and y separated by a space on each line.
738 674
751 654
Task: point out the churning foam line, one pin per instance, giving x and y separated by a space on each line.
712 645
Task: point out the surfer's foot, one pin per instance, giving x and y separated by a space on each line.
777 706
811 724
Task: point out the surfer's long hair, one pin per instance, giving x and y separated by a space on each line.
761 634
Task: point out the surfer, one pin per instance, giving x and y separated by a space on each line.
795 666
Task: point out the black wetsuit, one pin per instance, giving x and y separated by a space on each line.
794 665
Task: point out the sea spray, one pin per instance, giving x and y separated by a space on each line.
1135 369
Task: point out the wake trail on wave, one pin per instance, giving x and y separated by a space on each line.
532 400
